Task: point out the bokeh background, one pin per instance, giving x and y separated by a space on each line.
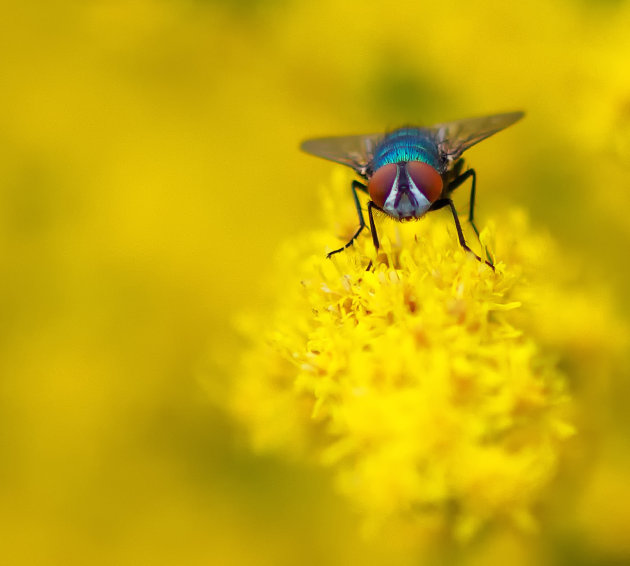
148 171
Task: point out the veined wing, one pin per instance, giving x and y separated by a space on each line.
354 151
454 138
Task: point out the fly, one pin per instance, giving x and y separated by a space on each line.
411 171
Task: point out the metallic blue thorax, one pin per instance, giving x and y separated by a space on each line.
406 144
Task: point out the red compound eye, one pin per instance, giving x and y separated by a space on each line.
426 178
381 183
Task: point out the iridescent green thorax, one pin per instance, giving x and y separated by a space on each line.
406 144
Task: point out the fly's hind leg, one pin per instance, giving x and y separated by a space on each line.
356 185
471 211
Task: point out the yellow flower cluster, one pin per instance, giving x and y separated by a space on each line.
423 380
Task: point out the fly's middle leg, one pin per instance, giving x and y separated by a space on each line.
460 234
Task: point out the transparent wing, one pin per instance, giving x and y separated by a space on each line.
354 151
454 138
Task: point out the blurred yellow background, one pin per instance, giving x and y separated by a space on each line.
149 169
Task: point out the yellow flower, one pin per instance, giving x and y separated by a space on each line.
424 381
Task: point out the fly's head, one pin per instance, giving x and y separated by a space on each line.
405 190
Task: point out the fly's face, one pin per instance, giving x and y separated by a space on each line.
405 190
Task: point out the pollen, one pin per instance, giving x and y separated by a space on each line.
418 375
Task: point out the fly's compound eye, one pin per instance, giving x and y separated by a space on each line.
381 183
426 178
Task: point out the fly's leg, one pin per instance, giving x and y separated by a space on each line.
372 205
460 235
360 186
460 179
471 212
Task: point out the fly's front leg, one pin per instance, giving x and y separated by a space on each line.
471 211
460 234
372 205
356 185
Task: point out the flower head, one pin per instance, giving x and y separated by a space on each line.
422 381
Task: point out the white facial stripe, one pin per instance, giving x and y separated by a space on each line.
391 198
405 208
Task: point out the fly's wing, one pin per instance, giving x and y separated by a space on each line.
454 138
354 151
